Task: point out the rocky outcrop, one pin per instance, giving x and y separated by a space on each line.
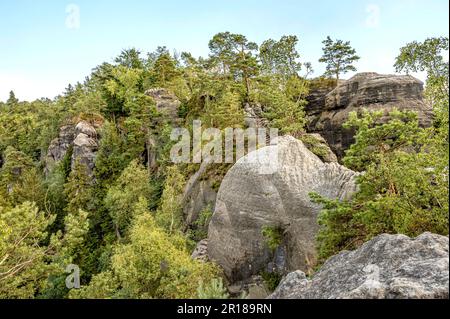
166 103
328 110
80 139
388 266
270 188
201 251
253 116
85 146
59 147
202 196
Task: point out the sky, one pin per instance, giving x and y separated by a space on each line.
46 45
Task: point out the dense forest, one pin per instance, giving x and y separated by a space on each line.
121 222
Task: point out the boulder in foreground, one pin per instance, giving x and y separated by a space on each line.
386 267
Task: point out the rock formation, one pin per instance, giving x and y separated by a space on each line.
253 196
85 146
253 116
81 139
388 266
202 196
201 251
328 110
59 146
166 103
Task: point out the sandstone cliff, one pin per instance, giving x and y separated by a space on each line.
329 108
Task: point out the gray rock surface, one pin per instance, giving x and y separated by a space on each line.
201 197
82 138
201 251
253 116
251 197
59 146
166 103
328 110
85 145
388 266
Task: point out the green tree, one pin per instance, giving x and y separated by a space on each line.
121 198
153 264
12 100
404 188
169 213
20 179
165 69
280 57
225 110
78 189
339 57
284 112
130 58
234 54
401 132
427 56
24 266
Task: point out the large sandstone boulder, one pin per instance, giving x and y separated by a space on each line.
252 197
328 110
388 266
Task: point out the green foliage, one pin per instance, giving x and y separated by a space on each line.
273 236
339 57
78 189
427 56
404 188
224 110
153 264
200 230
280 57
282 111
121 198
315 145
169 213
271 279
23 261
373 140
214 290
234 55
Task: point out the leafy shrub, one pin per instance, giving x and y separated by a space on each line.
214 290
273 236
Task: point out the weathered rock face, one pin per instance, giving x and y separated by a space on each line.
250 198
166 102
202 196
83 140
85 146
329 110
253 116
201 251
319 146
388 266
59 147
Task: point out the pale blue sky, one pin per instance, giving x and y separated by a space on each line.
43 50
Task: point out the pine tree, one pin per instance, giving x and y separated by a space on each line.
339 57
